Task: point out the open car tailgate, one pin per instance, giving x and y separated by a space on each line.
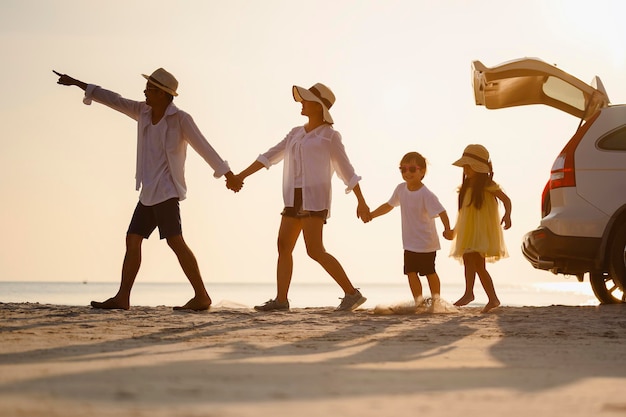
532 81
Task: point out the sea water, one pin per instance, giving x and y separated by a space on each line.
242 295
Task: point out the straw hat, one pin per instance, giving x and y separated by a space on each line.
318 93
163 80
477 157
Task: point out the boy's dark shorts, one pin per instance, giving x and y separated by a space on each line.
297 212
422 263
165 216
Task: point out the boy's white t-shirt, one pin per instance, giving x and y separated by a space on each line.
419 209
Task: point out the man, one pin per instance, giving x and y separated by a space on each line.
163 134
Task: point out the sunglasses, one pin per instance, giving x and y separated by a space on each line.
410 168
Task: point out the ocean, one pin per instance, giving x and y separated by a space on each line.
241 295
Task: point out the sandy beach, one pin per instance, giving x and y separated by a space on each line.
152 361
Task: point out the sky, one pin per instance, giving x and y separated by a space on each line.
401 71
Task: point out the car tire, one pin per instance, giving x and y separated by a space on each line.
605 288
617 257
608 287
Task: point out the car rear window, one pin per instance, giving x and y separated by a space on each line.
560 90
614 141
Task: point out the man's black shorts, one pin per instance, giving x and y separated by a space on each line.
165 216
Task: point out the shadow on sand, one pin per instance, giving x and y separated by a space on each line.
236 355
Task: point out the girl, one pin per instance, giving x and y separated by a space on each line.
478 236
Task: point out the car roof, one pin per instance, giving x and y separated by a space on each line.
528 81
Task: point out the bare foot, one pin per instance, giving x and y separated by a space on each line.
196 304
465 300
490 306
111 304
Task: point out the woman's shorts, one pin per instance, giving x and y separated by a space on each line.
297 212
421 263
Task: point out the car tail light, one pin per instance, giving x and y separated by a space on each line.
563 172
546 206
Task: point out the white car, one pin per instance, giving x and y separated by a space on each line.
583 219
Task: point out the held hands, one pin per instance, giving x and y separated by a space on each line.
233 182
363 213
448 234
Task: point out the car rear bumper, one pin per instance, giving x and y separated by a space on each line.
560 254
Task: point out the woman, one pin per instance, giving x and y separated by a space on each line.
311 154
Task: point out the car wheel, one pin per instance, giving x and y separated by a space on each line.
617 257
605 288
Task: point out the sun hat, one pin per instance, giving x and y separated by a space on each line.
477 157
318 93
163 80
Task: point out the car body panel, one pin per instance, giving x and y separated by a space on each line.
532 81
586 220
601 173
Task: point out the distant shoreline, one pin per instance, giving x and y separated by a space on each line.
302 294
